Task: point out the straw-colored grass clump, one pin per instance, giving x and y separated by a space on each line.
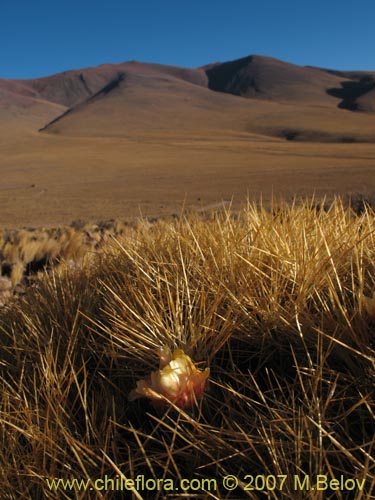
27 253
270 301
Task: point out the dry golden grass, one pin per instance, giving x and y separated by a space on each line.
271 301
26 252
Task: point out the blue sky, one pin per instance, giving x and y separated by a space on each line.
39 37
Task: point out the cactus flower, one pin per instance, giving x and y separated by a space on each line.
178 380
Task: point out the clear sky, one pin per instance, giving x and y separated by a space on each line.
40 37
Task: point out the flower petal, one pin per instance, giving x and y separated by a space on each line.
178 380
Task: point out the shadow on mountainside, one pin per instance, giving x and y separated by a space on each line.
351 91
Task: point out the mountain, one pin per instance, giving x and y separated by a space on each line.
63 91
22 108
254 94
71 87
150 100
120 140
266 78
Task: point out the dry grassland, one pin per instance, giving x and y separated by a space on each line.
50 181
271 300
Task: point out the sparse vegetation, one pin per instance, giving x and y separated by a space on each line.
25 253
270 300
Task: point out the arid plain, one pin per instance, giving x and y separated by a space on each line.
121 140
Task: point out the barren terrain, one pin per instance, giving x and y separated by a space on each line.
122 140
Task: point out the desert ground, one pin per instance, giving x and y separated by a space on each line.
55 180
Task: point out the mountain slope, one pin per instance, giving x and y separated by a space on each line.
252 95
140 101
135 138
71 87
21 109
267 78
356 95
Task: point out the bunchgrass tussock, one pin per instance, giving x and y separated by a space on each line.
275 304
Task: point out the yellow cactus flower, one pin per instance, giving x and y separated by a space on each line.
178 380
